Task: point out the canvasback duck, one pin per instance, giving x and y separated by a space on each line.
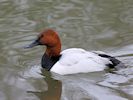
73 60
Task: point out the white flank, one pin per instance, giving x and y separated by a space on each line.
76 60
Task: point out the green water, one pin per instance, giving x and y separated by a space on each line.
105 25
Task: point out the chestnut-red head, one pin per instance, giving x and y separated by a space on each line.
51 40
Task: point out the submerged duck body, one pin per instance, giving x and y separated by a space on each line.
73 60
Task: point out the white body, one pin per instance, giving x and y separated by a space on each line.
77 60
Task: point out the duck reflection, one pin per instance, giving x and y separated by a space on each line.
54 88
91 86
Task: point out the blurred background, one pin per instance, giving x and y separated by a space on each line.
105 25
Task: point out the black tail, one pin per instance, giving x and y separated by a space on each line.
115 62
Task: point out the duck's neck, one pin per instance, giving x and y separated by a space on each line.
53 51
48 62
51 56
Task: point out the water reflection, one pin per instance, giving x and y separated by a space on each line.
38 84
54 88
94 85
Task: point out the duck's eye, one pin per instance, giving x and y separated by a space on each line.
41 35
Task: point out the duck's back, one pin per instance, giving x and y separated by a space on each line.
77 60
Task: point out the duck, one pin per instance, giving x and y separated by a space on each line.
72 60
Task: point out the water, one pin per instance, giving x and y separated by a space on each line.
90 24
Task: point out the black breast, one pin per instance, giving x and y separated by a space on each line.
47 62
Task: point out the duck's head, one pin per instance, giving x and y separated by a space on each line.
51 40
